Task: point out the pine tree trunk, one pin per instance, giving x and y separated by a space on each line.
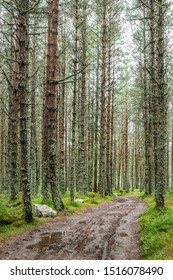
14 121
62 119
45 163
33 142
148 188
51 175
23 19
162 112
102 173
2 149
82 176
126 184
154 104
108 133
96 129
73 140
172 158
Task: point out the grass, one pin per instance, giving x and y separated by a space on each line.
12 218
157 229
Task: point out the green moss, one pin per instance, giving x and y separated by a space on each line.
10 211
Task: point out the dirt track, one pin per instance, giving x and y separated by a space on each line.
108 231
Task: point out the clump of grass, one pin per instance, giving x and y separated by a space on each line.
157 231
122 192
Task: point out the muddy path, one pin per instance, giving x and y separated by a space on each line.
105 232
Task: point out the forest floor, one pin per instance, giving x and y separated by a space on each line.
104 232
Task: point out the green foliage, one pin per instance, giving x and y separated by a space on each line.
157 231
136 192
93 195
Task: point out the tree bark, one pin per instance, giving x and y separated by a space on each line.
102 174
73 140
51 175
162 111
23 20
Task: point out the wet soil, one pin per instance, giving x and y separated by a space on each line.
109 231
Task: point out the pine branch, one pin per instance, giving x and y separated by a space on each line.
77 73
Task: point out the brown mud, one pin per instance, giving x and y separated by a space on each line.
109 231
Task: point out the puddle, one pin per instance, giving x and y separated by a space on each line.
46 240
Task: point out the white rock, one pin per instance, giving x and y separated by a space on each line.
79 200
43 211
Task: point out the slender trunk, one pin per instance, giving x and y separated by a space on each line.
62 116
119 164
33 142
154 104
2 148
96 129
89 145
82 176
102 175
113 159
172 159
51 175
14 122
148 188
126 184
45 163
73 140
23 101
162 112
108 136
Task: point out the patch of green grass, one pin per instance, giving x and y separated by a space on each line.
12 217
135 192
18 227
91 199
157 230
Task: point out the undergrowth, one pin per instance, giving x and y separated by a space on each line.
157 229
